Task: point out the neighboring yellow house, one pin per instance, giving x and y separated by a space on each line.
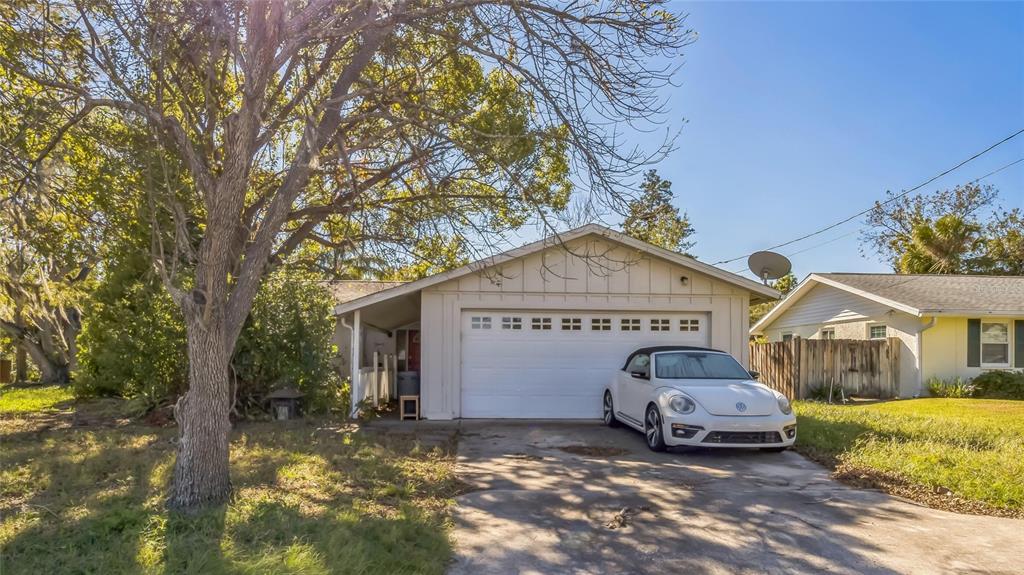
950 325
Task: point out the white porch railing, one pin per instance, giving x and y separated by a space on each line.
378 383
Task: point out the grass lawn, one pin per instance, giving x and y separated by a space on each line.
310 497
30 399
962 454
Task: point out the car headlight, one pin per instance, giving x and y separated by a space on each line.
784 405
682 404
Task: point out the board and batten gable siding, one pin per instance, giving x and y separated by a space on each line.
593 274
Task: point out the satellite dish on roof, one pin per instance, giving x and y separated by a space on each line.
769 265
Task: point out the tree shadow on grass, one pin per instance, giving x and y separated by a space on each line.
305 502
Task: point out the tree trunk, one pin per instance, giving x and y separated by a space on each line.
52 368
20 355
201 475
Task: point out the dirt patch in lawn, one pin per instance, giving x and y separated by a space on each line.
936 497
593 450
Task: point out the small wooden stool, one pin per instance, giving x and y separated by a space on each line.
405 402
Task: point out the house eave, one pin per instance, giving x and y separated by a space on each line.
560 239
971 312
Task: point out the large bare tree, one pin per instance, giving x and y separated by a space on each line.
343 121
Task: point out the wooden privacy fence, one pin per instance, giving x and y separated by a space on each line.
865 368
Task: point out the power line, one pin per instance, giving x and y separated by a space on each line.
994 172
894 198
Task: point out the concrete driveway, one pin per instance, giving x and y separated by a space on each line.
582 498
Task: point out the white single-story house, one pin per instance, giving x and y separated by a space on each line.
950 325
538 331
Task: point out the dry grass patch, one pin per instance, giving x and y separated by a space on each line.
309 498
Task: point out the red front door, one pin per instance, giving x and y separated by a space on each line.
414 350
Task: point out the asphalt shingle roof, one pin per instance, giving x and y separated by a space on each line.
941 292
348 290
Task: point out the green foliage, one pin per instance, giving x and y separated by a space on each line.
822 393
286 342
652 217
958 231
33 399
973 447
999 385
784 285
134 346
956 387
133 340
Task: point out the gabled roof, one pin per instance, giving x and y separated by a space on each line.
920 295
347 290
595 229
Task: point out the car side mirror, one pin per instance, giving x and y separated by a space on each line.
754 374
639 374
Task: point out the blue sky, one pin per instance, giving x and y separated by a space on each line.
798 115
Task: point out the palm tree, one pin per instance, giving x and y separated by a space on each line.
945 246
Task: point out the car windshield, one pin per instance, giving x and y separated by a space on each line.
698 365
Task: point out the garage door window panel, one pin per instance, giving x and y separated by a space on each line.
510 322
541 323
480 322
572 324
630 324
661 324
601 324
689 325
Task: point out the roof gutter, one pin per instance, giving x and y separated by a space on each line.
971 312
918 363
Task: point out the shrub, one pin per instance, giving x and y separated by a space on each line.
956 387
132 343
286 342
999 385
821 393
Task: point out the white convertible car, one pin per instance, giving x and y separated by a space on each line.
679 395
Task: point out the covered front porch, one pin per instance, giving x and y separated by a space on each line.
378 343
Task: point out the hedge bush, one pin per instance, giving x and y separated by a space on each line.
999 385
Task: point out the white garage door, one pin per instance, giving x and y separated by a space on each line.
535 364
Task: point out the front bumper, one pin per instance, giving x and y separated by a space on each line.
704 430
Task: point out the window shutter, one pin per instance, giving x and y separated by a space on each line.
974 343
1018 343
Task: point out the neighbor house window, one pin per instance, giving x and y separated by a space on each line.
541 323
630 324
689 325
480 322
876 332
828 333
511 323
787 337
572 324
661 325
995 343
601 324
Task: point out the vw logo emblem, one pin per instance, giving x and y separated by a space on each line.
741 407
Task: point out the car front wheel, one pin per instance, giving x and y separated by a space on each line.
609 411
653 429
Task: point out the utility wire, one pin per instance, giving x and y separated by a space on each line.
994 172
894 198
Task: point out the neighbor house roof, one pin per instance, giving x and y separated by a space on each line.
559 239
920 295
347 290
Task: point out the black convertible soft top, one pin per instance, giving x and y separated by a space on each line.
657 348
